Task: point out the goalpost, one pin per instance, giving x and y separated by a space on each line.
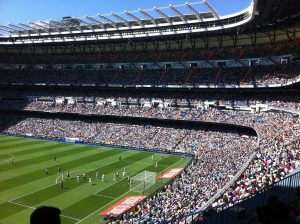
142 181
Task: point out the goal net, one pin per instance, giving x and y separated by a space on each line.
142 181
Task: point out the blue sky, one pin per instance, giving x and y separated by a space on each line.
13 11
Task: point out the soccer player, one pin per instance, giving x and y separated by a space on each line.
124 173
103 177
156 164
117 174
120 158
68 175
114 176
59 169
97 174
46 171
78 178
90 180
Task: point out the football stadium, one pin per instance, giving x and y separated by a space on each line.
174 114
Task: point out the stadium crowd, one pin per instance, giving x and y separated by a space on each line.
173 105
209 75
229 150
278 155
253 51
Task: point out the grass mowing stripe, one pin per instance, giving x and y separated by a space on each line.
52 191
46 193
22 147
114 190
21 144
77 200
39 196
43 158
33 176
21 160
6 139
8 209
33 149
65 220
81 208
5 157
41 165
25 213
42 195
96 220
117 190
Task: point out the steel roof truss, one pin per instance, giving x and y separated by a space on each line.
88 25
167 18
179 13
135 18
195 11
108 20
95 21
121 19
212 9
148 16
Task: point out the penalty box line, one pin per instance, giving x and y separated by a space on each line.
26 206
131 175
117 197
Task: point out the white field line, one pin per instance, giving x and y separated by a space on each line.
126 177
69 217
11 201
96 193
101 208
38 189
104 196
43 187
21 205
115 198
31 193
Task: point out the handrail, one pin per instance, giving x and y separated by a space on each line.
265 192
189 218
231 181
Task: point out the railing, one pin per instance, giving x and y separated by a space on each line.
244 210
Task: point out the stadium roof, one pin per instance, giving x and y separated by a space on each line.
275 13
156 17
184 19
160 21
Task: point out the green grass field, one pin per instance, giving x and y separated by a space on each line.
25 186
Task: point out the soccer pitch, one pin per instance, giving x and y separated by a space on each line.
24 185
